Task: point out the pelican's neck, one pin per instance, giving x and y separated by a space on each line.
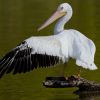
59 27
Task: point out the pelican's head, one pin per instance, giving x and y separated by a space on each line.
64 8
61 11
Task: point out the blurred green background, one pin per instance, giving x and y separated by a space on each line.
19 19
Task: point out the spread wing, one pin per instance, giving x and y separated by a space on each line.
30 54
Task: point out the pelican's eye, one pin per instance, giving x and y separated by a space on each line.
62 8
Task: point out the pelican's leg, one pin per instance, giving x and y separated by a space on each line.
63 70
78 74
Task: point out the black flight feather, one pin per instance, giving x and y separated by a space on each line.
22 59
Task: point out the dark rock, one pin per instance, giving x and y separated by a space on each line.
72 81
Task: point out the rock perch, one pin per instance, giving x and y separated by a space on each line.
72 81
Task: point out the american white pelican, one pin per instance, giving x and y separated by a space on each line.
44 51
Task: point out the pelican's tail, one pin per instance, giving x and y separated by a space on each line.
91 66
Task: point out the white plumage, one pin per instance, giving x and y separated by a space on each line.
46 51
68 44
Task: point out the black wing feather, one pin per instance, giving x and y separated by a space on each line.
11 67
21 60
15 67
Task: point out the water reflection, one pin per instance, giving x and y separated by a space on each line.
87 95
